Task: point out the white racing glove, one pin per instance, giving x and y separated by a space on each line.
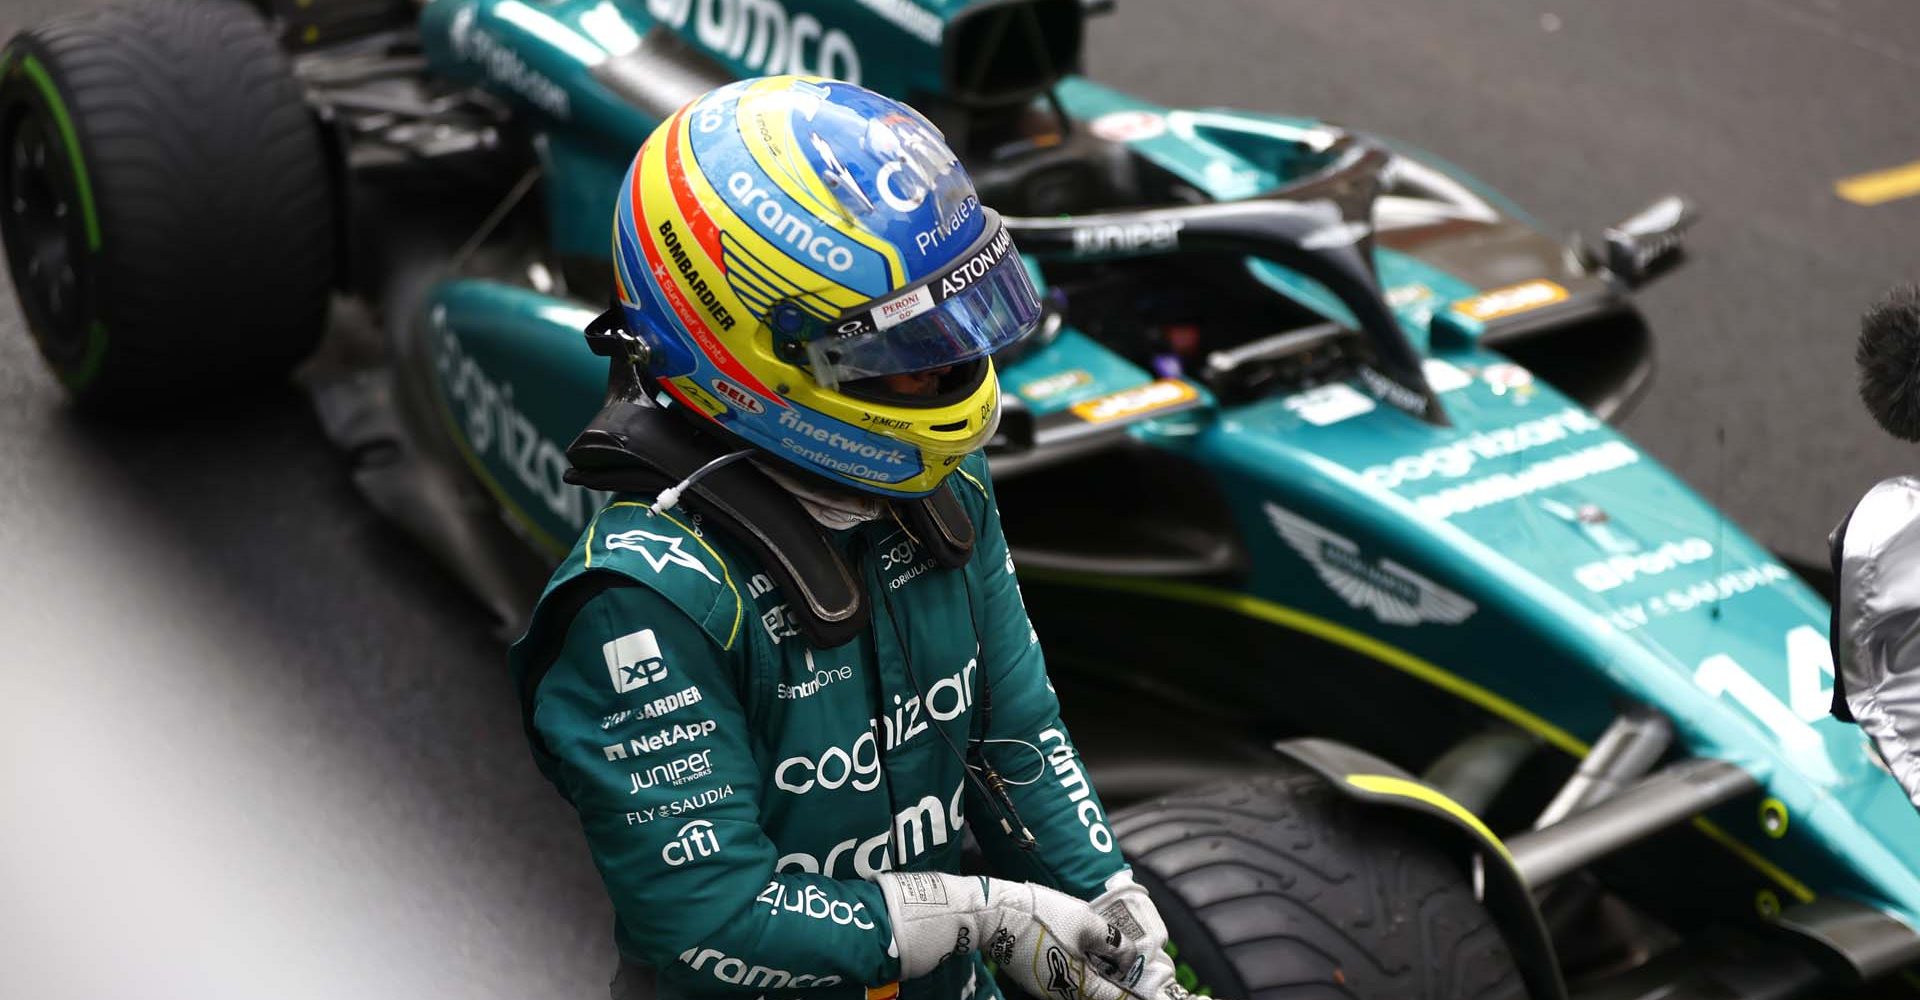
1053 945
1127 907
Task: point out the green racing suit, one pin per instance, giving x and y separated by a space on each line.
738 789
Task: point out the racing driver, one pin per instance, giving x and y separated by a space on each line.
774 727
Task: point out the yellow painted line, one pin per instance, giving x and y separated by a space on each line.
1880 186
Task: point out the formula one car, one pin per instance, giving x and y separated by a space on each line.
1464 694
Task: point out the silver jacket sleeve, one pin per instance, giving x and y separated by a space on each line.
1877 623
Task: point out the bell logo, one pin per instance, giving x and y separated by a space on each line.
634 661
695 840
740 398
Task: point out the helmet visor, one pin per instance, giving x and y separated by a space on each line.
981 304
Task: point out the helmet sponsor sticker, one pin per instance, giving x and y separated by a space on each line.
1511 300
844 448
975 267
696 397
893 312
1128 126
1160 394
809 237
1394 594
740 398
952 223
995 248
704 293
660 276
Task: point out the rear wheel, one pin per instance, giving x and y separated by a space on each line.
164 201
1277 888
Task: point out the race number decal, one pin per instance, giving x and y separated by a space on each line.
1809 665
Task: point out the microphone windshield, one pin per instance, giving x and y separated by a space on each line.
1888 354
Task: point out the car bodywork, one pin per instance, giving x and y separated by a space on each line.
1392 511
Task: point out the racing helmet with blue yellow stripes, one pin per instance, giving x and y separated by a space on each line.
809 267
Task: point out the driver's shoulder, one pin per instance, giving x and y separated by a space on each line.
667 553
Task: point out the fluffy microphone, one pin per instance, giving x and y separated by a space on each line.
1889 358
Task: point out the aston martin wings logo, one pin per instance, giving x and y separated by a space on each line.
1395 594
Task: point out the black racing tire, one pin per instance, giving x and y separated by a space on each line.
165 202
1278 888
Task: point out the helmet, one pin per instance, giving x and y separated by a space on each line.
786 247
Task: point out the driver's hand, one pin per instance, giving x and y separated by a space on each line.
1050 943
1126 906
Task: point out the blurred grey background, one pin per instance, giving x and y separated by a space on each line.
255 744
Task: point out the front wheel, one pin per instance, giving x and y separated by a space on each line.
164 201
1278 888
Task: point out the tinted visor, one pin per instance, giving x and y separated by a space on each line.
982 303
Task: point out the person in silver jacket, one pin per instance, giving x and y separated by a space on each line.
1876 556
1876 624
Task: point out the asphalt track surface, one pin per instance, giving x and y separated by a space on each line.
256 745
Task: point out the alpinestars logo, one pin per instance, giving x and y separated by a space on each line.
1060 979
634 661
671 555
1395 594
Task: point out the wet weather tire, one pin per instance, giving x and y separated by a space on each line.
165 201
1276 888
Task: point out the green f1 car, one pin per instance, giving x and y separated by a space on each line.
1464 694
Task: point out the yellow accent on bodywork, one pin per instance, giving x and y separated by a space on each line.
1750 856
1408 663
1774 807
1387 784
1339 635
739 606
